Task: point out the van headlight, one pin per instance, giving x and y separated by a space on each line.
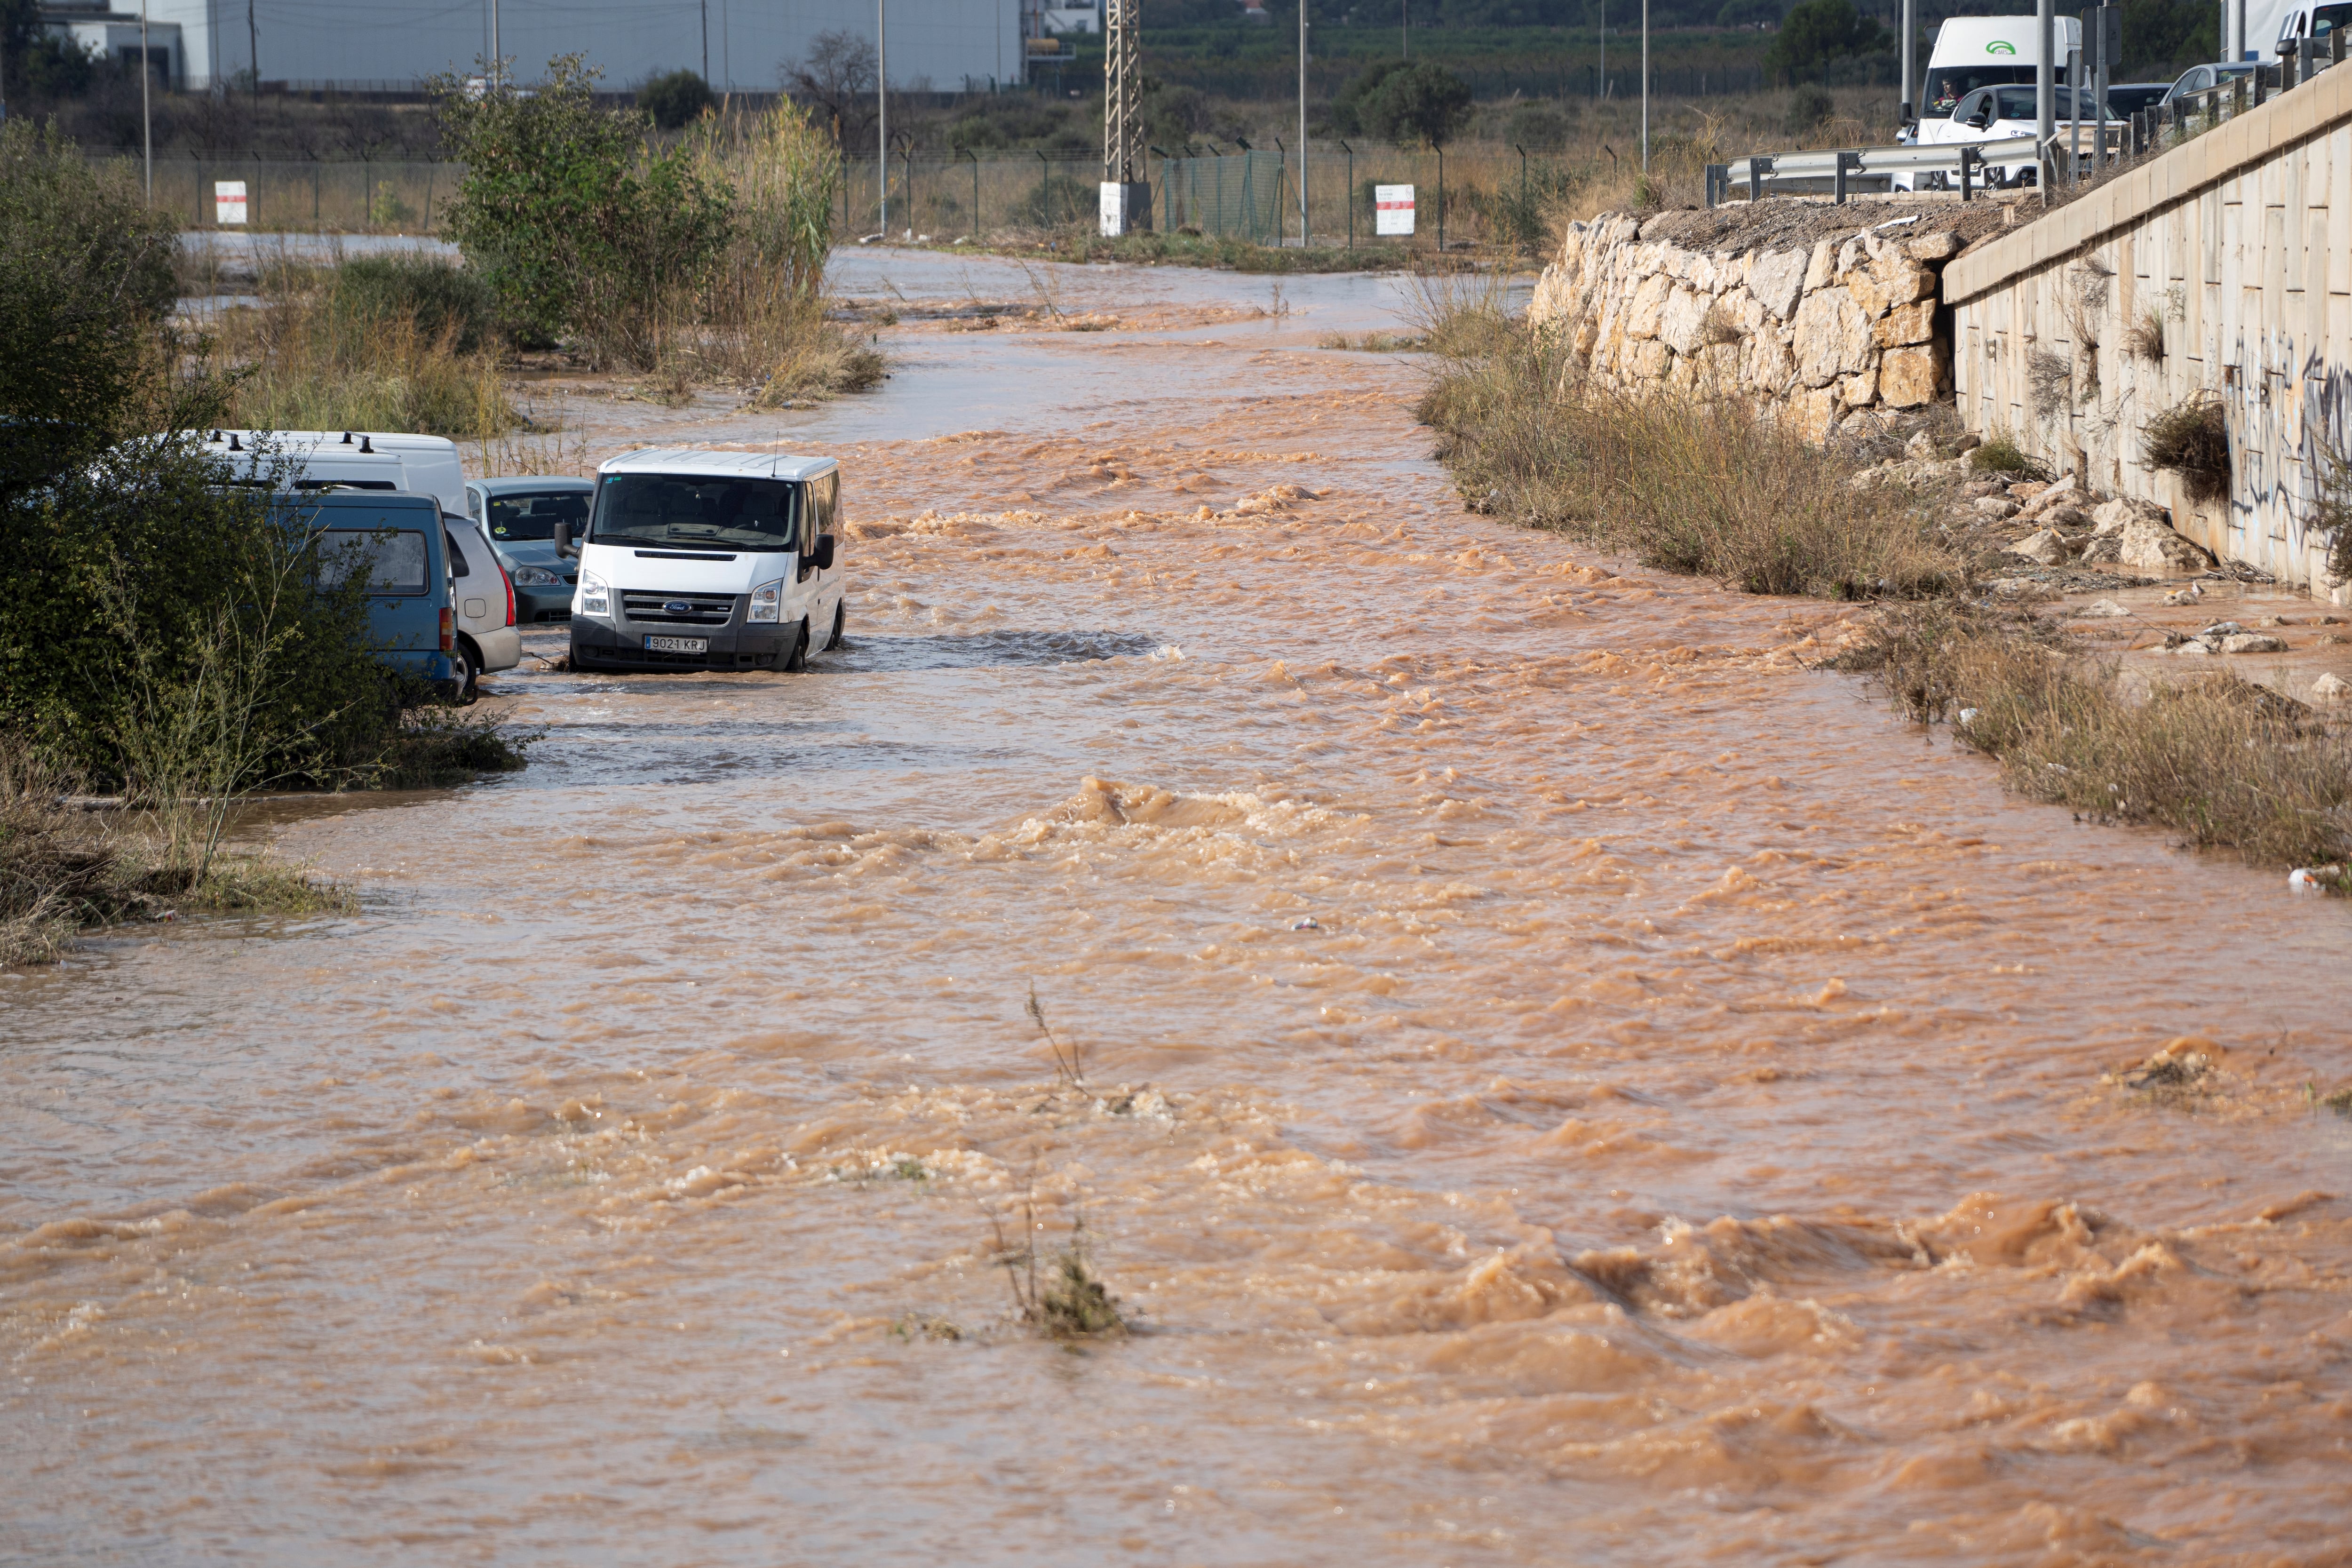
767 602
536 578
593 598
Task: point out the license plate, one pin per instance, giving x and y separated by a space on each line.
677 644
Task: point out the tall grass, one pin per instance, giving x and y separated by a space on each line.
1684 481
2219 760
376 344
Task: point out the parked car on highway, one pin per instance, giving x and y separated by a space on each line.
400 543
1999 113
388 461
701 559
2126 99
2199 78
518 518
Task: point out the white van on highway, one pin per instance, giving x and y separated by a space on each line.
480 594
1960 101
700 560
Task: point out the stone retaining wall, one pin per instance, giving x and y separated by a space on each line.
1849 324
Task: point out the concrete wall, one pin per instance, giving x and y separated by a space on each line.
2237 245
1825 330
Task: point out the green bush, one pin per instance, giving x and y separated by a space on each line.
85 282
369 292
676 99
1818 35
578 229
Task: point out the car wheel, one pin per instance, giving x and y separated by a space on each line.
798 660
840 619
465 670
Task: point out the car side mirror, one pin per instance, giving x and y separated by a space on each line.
563 546
821 557
1979 120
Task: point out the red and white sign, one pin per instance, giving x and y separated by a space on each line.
228 201
1392 209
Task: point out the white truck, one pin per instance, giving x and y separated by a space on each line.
697 560
480 594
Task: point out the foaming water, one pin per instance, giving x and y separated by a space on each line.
1563 1079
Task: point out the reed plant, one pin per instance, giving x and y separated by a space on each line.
366 345
1681 481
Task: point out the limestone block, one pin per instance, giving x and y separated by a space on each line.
1770 368
1682 325
1814 414
1779 280
1682 371
1832 337
1719 367
2252 642
1649 359
2048 547
2155 546
1905 324
2109 517
1909 378
1860 391
1817 267
1649 306
1933 247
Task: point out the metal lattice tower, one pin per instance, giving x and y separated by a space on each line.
1123 89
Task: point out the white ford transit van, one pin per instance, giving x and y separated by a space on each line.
416 465
698 560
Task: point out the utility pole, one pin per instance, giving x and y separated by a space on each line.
253 51
146 117
882 100
2045 93
1404 26
1910 51
1604 51
1645 85
706 43
1126 194
497 55
1304 238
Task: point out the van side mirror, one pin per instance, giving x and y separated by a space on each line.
821 557
563 546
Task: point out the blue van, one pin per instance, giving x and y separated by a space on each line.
399 541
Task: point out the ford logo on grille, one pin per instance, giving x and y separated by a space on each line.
677 607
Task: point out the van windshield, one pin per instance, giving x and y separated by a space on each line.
670 511
534 514
1947 86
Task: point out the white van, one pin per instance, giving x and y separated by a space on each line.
418 465
1974 52
2300 22
698 560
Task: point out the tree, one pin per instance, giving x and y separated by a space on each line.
2163 38
1816 35
1418 103
1347 108
577 226
837 79
678 98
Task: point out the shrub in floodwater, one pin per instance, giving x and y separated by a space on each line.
1071 1302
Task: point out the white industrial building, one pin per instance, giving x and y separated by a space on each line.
941 45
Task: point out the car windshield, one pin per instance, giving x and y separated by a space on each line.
533 514
696 510
1951 84
2017 103
2128 100
2327 18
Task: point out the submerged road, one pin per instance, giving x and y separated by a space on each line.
1564 1080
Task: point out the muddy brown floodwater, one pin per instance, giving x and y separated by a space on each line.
1566 1081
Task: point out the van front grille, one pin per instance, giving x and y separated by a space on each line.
678 609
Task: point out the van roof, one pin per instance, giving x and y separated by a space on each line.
1968 41
307 441
718 465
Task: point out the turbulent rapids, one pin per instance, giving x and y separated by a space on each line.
1562 1078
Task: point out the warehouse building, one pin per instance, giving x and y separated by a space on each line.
947 46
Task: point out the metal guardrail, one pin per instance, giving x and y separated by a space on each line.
1963 164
